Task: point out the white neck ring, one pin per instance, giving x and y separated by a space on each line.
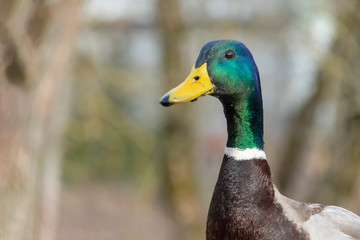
245 154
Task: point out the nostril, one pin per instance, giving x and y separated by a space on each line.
196 78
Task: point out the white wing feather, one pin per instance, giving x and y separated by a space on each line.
333 223
329 223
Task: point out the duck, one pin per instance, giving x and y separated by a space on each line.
246 204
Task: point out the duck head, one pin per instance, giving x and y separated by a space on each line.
224 69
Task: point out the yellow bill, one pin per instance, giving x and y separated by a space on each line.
195 85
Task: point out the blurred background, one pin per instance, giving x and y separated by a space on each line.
86 150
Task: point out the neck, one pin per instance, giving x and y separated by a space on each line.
244 116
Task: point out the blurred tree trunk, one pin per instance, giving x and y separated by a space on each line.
323 165
177 139
35 47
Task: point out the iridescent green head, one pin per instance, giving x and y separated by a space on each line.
231 68
227 70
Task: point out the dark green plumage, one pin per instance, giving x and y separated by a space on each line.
237 85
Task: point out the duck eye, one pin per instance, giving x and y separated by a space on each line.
229 54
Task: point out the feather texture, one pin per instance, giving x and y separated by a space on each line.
320 221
